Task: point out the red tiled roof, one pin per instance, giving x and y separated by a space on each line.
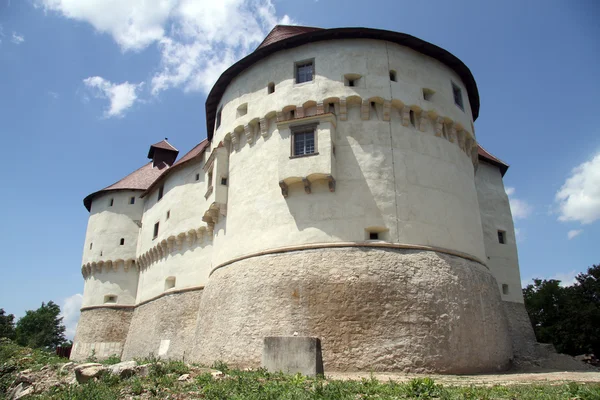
487 156
139 179
281 32
190 155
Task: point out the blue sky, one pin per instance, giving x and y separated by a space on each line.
86 86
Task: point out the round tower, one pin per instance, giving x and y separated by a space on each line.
352 213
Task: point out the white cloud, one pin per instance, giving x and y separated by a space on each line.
121 96
17 39
520 209
54 95
579 196
197 39
70 313
575 232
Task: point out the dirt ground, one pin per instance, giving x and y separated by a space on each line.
479 380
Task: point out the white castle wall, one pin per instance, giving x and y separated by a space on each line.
502 259
420 193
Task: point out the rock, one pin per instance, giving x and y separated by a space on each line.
85 372
125 369
217 374
142 370
67 366
22 392
184 377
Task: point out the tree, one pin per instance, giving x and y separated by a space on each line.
42 328
568 317
7 325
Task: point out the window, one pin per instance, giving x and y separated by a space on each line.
501 237
91 244
110 299
168 214
224 181
303 141
154 236
457 93
332 108
170 283
210 176
197 177
132 200
504 288
392 75
304 71
112 201
218 122
161 191
352 80
428 94
411 114
270 88
373 236
122 241
242 110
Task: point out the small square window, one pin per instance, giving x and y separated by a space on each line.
197 177
393 75
373 236
303 141
111 203
110 299
504 288
132 200
502 237
428 94
304 71
458 99
161 191
155 234
122 241
168 214
224 181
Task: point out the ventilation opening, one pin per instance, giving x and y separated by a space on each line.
242 110
504 288
112 201
376 233
502 237
122 242
392 75
373 235
197 177
270 88
168 214
110 299
412 118
155 234
170 283
352 80
161 191
224 181
428 94
91 244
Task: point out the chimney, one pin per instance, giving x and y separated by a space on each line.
162 153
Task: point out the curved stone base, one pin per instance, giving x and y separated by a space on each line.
164 326
521 332
374 309
101 332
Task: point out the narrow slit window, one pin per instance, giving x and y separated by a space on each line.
197 177
502 237
303 141
91 244
155 234
304 71
412 118
458 99
161 191
132 200
122 242
392 75
111 203
168 214
504 288
270 88
218 122
210 177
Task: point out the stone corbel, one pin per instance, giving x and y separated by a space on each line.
460 137
306 183
452 134
98 266
387 106
423 121
406 116
439 126
126 265
280 116
200 235
264 127
468 145
365 110
234 140
179 240
299 112
320 108
249 133
343 109
331 181
210 230
189 238
474 156
284 188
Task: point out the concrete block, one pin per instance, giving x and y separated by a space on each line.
293 354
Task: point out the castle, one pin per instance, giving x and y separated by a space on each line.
340 193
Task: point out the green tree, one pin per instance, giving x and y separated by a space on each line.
42 328
7 325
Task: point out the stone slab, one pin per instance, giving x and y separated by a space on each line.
292 355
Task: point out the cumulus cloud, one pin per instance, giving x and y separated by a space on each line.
16 38
575 232
197 39
121 96
70 313
520 209
579 196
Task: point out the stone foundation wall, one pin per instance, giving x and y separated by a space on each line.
374 309
101 332
164 326
520 330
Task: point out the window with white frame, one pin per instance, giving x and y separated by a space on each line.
303 140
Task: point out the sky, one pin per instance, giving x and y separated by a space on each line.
87 85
